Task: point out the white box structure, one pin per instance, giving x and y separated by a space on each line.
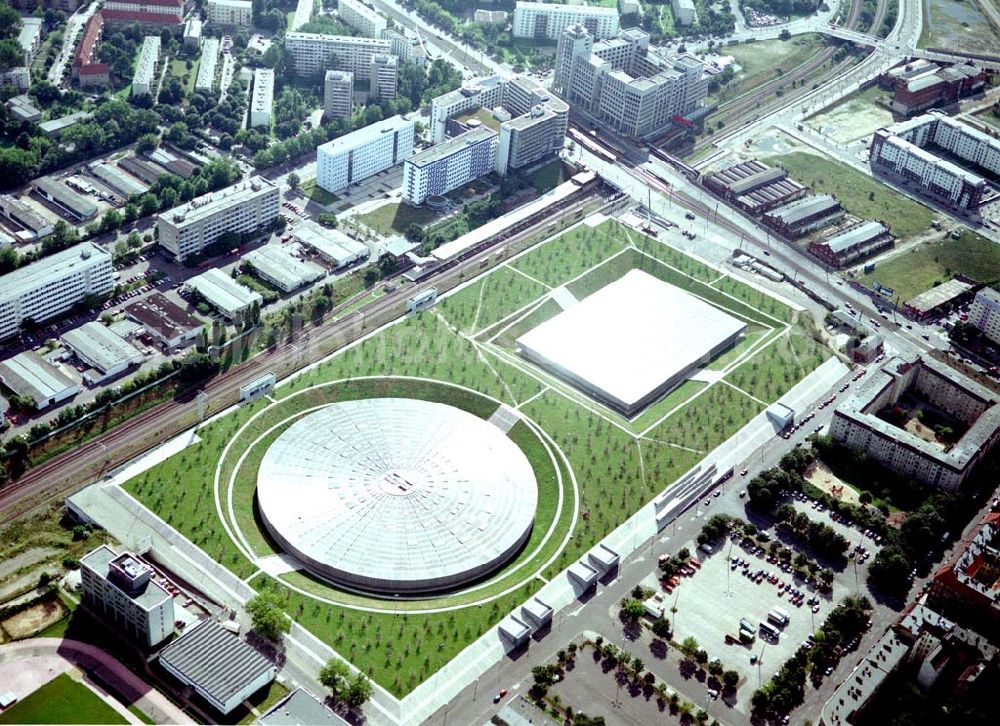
331 244
102 349
684 12
383 77
119 589
205 79
449 165
146 67
631 341
311 53
223 293
28 374
248 206
279 267
338 94
262 99
362 153
362 18
549 20
230 13
52 286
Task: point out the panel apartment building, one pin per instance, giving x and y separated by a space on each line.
52 286
145 12
247 206
119 589
338 94
449 165
532 121
985 313
856 422
907 149
362 18
146 67
621 82
362 153
549 20
230 13
262 100
311 53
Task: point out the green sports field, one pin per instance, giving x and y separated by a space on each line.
586 456
64 701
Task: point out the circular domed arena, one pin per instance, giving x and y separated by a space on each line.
397 496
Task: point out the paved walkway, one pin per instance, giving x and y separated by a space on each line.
27 665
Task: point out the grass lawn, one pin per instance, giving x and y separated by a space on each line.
396 217
317 194
489 300
178 69
761 61
779 365
860 194
61 700
989 117
549 176
916 270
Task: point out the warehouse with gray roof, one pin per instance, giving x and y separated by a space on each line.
120 182
331 244
279 267
853 244
223 293
29 375
101 349
754 187
804 215
165 321
34 224
299 707
219 666
74 205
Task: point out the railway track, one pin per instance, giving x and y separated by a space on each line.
67 472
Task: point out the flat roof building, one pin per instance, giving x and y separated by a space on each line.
120 182
120 589
52 286
33 224
934 301
338 94
303 13
101 349
54 128
449 165
367 21
144 12
248 206
262 99
331 244
548 20
74 205
856 422
805 215
219 666
230 13
192 33
363 153
23 109
754 187
279 267
164 320
985 313
299 708
205 80
602 344
684 12
223 293
853 244
29 375
146 67
383 77
311 53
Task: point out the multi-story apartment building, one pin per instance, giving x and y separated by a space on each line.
146 67
684 12
362 153
362 18
338 94
53 285
230 13
620 81
536 123
262 99
856 422
549 20
30 38
383 77
968 584
907 149
985 313
314 52
449 165
247 206
87 70
205 80
120 589
145 12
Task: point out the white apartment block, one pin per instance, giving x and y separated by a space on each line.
383 77
487 92
149 12
449 165
147 66
856 422
625 83
247 206
312 53
30 38
338 94
985 313
230 13
52 286
120 590
205 79
262 100
362 153
362 18
549 20
684 12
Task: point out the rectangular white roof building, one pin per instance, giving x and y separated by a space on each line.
223 292
101 349
549 20
263 98
631 341
28 374
363 153
276 265
331 244
145 68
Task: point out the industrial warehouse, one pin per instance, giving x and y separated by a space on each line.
754 187
806 215
853 244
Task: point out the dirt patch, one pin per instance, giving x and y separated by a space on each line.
25 559
821 477
34 619
915 427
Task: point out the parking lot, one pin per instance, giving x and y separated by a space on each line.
711 603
